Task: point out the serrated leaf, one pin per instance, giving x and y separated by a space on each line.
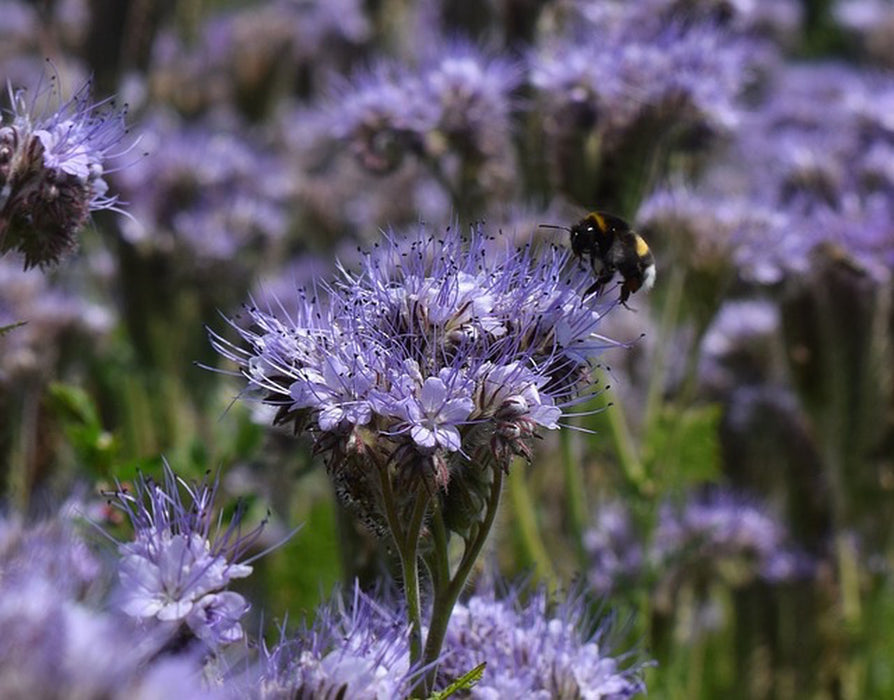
464 682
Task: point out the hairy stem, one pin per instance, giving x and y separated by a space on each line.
408 563
445 596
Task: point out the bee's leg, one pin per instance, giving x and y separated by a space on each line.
595 287
625 295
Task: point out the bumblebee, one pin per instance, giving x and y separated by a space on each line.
612 246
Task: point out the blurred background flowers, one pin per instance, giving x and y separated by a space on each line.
728 494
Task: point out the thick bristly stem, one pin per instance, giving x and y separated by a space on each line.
447 590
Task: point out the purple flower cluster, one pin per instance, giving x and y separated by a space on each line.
57 641
614 548
438 351
355 649
742 346
207 194
818 157
53 159
728 533
181 560
56 323
688 74
535 649
455 106
719 535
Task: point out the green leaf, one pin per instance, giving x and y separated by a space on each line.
6 329
95 447
683 446
464 682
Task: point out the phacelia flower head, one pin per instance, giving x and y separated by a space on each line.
614 547
181 559
356 648
729 535
439 353
454 106
58 640
536 649
52 163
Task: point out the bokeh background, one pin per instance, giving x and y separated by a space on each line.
729 497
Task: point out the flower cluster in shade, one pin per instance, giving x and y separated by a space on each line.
57 322
59 640
238 55
439 351
715 534
810 166
456 102
536 648
176 570
356 647
53 159
207 194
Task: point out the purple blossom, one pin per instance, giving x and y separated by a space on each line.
181 559
777 18
535 649
206 193
817 175
437 352
56 640
741 346
57 322
453 110
614 547
53 159
691 74
703 537
356 648
724 531
432 413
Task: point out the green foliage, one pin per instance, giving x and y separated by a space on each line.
682 446
465 682
95 448
301 573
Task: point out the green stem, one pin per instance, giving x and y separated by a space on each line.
669 315
408 563
622 439
440 562
526 522
575 494
409 560
446 596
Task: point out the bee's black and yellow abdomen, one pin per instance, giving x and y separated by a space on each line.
612 246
